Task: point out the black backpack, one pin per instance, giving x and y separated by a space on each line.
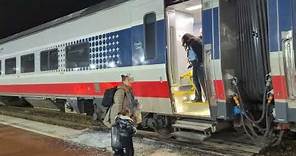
122 132
108 97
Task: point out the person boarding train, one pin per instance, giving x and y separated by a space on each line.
193 47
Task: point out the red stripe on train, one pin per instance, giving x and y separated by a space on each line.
219 89
141 89
279 87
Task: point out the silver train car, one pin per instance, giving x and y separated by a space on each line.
248 55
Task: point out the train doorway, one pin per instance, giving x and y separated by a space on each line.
182 18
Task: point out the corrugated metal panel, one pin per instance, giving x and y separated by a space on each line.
244 46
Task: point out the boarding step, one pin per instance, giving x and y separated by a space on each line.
193 129
196 125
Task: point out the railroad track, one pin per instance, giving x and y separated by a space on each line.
221 144
227 143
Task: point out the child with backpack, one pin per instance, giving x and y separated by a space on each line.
122 132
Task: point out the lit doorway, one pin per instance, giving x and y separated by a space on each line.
185 17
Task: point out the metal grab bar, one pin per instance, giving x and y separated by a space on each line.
289 63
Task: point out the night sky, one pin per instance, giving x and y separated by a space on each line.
19 15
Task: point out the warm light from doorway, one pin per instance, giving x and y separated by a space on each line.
195 7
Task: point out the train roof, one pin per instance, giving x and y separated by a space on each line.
100 6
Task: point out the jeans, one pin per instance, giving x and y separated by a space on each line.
198 79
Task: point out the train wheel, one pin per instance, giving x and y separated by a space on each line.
60 103
158 123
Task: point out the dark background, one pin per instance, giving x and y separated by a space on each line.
20 15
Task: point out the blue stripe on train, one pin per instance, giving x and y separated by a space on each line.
211 30
294 17
273 26
125 47
285 15
207 26
216 33
279 19
137 41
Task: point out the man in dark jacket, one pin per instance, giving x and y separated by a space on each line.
193 47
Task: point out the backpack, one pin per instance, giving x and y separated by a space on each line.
108 97
115 138
122 132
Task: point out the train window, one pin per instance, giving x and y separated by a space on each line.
77 55
49 60
27 63
150 35
0 67
10 66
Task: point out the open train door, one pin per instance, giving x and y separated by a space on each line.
196 120
184 17
199 18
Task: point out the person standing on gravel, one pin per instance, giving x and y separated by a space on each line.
124 100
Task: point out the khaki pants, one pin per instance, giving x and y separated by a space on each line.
109 119
138 117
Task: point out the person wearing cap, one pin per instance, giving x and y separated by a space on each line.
124 101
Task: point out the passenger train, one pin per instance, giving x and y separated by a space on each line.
249 61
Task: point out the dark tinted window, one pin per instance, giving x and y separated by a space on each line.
10 66
150 35
77 55
49 60
27 63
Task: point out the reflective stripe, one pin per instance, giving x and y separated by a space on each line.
279 87
219 89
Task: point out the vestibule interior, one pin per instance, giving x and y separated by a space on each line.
185 17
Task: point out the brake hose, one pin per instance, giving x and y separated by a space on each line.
265 112
268 82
